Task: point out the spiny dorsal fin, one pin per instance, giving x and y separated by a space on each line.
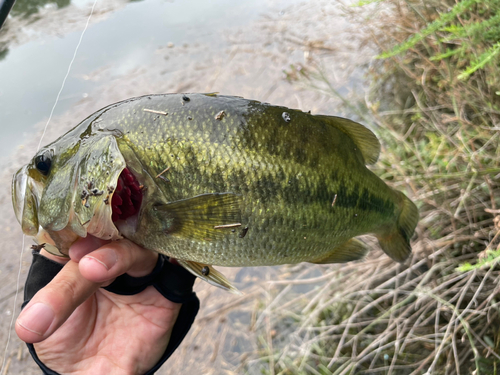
347 252
205 217
363 137
209 274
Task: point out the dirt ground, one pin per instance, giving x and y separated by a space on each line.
251 65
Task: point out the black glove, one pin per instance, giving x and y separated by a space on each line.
173 282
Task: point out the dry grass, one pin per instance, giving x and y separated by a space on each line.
434 103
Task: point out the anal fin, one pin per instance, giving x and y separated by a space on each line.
351 250
209 274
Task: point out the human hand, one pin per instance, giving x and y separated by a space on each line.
80 328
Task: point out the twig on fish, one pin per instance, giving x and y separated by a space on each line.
227 226
154 111
165 170
334 200
220 115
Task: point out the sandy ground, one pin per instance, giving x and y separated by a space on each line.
251 65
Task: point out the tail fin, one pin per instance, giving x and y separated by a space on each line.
396 240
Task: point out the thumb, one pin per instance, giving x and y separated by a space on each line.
54 304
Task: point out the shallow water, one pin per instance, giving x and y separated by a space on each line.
121 38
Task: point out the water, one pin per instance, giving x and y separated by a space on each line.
122 37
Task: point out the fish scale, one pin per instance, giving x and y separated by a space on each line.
181 167
227 181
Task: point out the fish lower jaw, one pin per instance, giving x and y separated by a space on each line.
56 243
59 242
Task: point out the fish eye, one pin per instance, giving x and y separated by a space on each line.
43 163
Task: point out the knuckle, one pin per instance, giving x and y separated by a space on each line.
67 289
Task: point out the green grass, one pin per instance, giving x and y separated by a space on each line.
435 104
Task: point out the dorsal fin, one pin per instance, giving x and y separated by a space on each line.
363 137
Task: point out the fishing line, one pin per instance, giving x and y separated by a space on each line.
67 74
38 148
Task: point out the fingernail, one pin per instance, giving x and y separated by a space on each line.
37 318
107 258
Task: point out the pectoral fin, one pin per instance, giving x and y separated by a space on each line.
347 252
206 217
208 274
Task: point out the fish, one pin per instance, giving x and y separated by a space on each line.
214 180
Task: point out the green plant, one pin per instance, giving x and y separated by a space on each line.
434 102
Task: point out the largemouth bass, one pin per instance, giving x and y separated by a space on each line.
214 180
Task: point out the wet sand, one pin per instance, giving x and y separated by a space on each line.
250 64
